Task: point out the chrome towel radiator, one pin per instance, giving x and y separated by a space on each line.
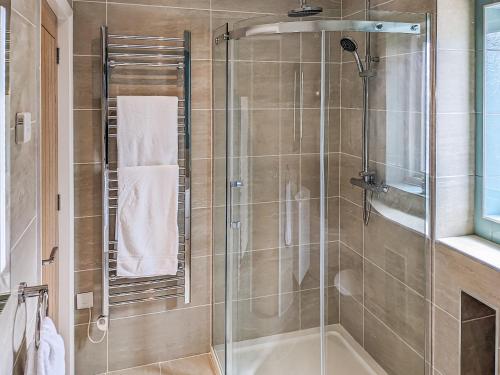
143 65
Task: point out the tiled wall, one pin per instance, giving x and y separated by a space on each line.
455 118
386 312
24 169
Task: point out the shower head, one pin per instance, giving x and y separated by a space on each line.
350 45
305 10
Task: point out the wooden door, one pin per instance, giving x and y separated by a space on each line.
49 193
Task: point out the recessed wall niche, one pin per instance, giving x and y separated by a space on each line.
478 327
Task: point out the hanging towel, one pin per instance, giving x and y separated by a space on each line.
147 130
49 358
148 235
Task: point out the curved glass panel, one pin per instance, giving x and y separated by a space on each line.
323 276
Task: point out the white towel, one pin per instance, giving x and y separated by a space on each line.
147 130
148 235
49 358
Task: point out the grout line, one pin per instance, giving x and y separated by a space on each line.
475 319
21 236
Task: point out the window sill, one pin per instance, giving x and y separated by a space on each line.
477 248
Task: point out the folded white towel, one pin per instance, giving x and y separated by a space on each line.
49 358
147 130
148 235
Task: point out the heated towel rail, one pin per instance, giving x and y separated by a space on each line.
144 65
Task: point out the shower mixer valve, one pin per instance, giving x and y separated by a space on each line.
367 182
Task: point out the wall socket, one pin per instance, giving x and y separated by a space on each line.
84 300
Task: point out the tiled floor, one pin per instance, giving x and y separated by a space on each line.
196 365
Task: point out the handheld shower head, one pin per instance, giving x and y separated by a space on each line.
350 45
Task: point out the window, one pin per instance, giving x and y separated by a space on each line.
487 220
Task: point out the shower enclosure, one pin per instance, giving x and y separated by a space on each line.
320 198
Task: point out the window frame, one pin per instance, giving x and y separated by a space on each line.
485 225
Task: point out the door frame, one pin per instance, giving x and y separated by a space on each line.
65 322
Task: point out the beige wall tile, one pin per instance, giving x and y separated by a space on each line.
351 317
201 192
455 204
455 24
87 82
351 225
88 19
155 338
261 316
397 250
88 196
196 4
88 243
401 309
201 134
89 281
87 136
349 168
350 278
201 233
27 9
455 85
90 358
351 130
446 343
352 6
394 355
455 148
310 310
261 6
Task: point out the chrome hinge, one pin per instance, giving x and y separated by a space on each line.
58 55
222 37
58 202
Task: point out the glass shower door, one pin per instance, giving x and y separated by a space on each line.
277 240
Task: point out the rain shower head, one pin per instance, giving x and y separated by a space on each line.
305 10
350 45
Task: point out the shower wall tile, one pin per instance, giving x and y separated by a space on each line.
455 205
88 19
334 130
142 340
310 308
446 340
258 6
396 250
397 306
392 353
409 6
88 190
350 166
333 174
456 83
90 359
194 4
352 6
266 316
87 133
201 188
456 15
88 243
201 238
350 278
351 225
87 82
351 131
352 86
89 281
351 317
